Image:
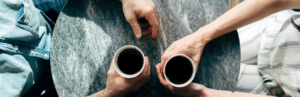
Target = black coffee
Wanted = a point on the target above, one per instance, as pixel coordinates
(179, 70)
(130, 61)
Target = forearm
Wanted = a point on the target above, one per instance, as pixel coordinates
(220, 93)
(99, 94)
(108, 92)
(245, 13)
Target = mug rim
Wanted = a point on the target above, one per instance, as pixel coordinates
(116, 63)
(185, 83)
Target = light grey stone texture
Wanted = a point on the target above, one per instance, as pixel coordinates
(89, 32)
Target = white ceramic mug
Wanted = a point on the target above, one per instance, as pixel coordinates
(188, 81)
(116, 61)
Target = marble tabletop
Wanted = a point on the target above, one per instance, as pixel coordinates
(89, 32)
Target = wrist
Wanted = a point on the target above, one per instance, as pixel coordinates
(105, 92)
(114, 93)
(102, 93)
(216, 93)
(122, 1)
(110, 93)
(205, 34)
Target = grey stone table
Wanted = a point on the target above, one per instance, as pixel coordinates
(89, 32)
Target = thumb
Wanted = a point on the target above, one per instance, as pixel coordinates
(135, 27)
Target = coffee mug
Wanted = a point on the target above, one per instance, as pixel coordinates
(179, 70)
(129, 61)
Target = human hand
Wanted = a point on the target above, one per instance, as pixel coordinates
(143, 10)
(189, 46)
(191, 90)
(118, 86)
(198, 90)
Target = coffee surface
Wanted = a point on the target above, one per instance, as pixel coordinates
(179, 70)
(130, 61)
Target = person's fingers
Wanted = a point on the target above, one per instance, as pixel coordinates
(156, 29)
(148, 31)
(152, 19)
(111, 69)
(163, 60)
(145, 26)
(158, 23)
(145, 81)
(197, 58)
(149, 69)
(156, 15)
(111, 64)
(148, 79)
(160, 76)
(147, 66)
(132, 20)
(143, 22)
(148, 74)
(166, 54)
(144, 73)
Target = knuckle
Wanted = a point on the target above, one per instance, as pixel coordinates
(150, 9)
(175, 43)
(184, 47)
(135, 28)
(197, 60)
(144, 76)
(170, 88)
(164, 56)
(155, 24)
(129, 19)
(109, 73)
(153, 6)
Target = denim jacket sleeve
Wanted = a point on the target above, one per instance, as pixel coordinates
(24, 29)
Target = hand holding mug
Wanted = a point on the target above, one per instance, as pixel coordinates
(189, 46)
(118, 86)
(191, 90)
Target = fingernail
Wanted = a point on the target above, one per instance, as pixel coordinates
(138, 35)
(154, 38)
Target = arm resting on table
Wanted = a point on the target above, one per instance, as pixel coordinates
(243, 14)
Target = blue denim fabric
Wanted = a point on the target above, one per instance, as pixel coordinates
(51, 8)
(25, 38)
(18, 74)
(226, 2)
(29, 34)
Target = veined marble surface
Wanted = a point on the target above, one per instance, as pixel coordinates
(89, 32)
